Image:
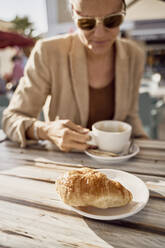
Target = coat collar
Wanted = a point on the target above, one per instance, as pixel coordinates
(79, 73)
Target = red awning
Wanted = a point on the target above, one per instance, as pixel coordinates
(14, 39)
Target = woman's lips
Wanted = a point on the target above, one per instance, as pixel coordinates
(99, 42)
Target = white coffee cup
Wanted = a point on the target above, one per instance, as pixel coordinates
(110, 135)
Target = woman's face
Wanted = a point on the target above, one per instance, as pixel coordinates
(100, 39)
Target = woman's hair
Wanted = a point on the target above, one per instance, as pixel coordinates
(70, 5)
(125, 6)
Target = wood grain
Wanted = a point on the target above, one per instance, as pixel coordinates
(32, 215)
(45, 194)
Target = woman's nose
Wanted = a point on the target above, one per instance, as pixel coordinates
(99, 30)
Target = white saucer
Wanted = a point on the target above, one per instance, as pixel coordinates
(108, 159)
(134, 184)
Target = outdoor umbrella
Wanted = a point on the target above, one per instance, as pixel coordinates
(145, 10)
(14, 39)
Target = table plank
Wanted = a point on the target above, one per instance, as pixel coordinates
(45, 173)
(152, 154)
(30, 156)
(151, 144)
(32, 215)
(26, 225)
(44, 195)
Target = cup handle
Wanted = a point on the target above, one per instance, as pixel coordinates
(92, 141)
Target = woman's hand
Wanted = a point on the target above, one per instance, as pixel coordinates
(65, 134)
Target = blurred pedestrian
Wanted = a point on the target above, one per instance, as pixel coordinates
(18, 70)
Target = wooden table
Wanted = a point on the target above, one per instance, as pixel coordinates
(31, 214)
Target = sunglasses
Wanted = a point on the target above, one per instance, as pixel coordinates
(89, 23)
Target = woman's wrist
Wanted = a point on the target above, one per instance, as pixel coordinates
(36, 131)
(39, 130)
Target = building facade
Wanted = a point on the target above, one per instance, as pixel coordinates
(59, 18)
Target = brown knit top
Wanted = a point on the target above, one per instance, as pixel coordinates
(101, 103)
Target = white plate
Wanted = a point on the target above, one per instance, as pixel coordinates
(134, 184)
(108, 159)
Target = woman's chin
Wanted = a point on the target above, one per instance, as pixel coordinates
(99, 50)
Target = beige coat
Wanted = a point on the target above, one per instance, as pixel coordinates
(57, 67)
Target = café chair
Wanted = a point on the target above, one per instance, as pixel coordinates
(4, 101)
(1, 114)
(150, 112)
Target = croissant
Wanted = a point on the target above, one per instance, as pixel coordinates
(88, 187)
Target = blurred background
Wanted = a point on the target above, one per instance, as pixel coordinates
(23, 22)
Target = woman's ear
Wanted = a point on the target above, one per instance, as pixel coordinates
(72, 8)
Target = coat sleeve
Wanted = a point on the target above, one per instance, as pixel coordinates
(29, 97)
(137, 71)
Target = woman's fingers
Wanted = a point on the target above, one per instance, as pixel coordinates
(68, 136)
(68, 140)
(75, 127)
(78, 137)
(77, 146)
(72, 146)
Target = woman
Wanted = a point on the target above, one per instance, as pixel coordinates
(90, 75)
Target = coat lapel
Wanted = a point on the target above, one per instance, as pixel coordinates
(79, 74)
(121, 81)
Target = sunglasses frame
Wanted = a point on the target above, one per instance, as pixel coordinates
(97, 19)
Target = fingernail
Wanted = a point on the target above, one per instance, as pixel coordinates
(84, 131)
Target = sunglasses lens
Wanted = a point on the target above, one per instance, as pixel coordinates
(86, 24)
(113, 21)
